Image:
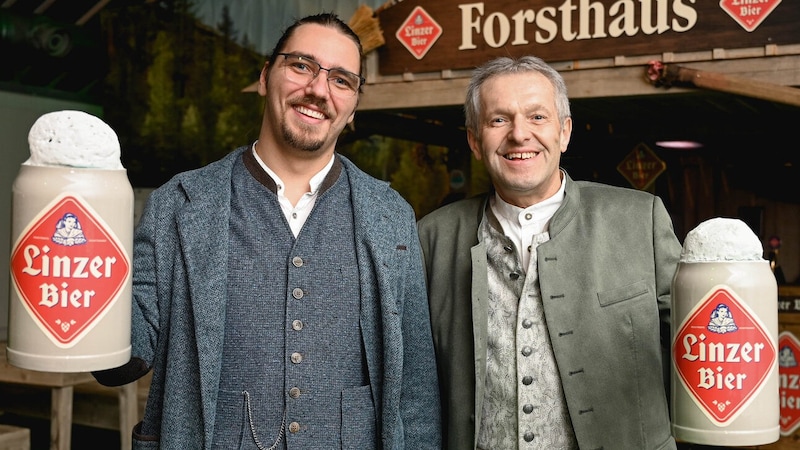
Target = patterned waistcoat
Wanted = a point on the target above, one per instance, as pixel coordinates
(524, 404)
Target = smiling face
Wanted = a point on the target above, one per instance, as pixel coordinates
(304, 119)
(519, 137)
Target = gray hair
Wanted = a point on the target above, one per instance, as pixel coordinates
(505, 65)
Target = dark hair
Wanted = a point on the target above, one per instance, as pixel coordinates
(329, 20)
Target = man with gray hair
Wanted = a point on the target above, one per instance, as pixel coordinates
(549, 297)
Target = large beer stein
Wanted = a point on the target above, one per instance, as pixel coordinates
(724, 339)
(72, 241)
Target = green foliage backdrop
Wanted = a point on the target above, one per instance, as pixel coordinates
(174, 90)
(174, 96)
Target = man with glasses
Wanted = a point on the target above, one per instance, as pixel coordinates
(279, 295)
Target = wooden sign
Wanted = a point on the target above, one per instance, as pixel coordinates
(565, 30)
(641, 167)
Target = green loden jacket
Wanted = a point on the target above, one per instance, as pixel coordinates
(605, 276)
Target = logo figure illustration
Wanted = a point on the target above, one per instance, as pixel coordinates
(722, 320)
(786, 357)
(68, 231)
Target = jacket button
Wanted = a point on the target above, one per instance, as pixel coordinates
(513, 275)
(297, 293)
(297, 325)
(297, 358)
(297, 261)
(294, 392)
(294, 427)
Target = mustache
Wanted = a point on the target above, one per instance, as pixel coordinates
(312, 100)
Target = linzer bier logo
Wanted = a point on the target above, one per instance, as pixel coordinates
(68, 268)
(749, 13)
(789, 369)
(723, 354)
(419, 32)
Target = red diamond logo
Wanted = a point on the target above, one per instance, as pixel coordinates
(68, 268)
(722, 354)
(749, 14)
(789, 369)
(419, 32)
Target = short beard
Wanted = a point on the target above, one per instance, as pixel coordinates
(300, 142)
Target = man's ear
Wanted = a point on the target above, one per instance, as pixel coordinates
(262, 80)
(474, 144)
(566, 133)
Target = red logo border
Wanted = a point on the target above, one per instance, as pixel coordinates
(113, 241)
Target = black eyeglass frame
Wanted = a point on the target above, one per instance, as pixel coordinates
(361, 79)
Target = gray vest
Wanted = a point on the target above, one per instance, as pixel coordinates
(292, 338)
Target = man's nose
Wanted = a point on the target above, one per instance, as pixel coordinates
(319, 84)
(520, 131)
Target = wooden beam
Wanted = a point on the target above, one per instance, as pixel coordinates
(671, 74)
(92, 11)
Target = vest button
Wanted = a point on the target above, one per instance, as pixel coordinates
(297, 358)
(513, 275)
(527, 409)
(528, 436)
(297, 325)
(526, 351)
(297, 293)
(297, 261)
(527, 323)
(294, 392)
(527, 380)
(294, 427)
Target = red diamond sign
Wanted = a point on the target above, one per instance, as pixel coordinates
(419, 32)
(789, 369)
(722, 354)
(641, 167)
(68, 268)
(749, 13)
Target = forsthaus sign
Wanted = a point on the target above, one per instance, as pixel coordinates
(564, 30)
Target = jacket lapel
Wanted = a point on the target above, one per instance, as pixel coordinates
(203, 232)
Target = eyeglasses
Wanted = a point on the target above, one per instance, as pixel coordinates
(302, 70)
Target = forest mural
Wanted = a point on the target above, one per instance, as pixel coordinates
(174, 94)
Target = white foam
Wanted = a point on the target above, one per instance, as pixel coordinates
(721, 239)
(73, 139)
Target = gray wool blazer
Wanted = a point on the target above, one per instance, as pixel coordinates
(179, 286)
(605, 277)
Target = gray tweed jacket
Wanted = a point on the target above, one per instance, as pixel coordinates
(179, 285)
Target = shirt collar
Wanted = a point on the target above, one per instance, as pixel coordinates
(541, 211)
(314, 183)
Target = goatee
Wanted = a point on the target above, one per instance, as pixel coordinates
(301, 142)
(301, 138)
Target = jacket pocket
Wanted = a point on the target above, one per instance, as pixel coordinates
(623, 293)
(359, 428)
(231, 417)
